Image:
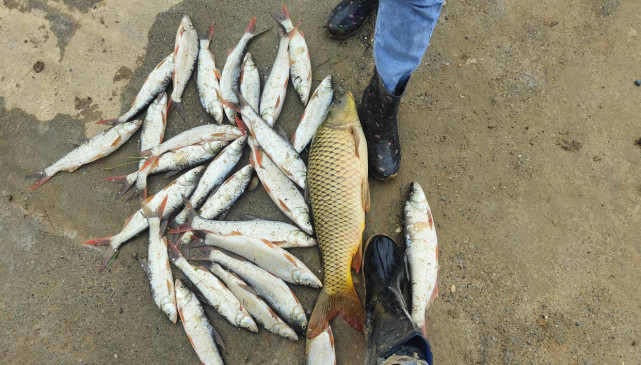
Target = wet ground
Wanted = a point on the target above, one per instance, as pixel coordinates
(521, 124)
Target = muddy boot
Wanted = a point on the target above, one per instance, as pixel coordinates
(392, 337)
(348, 16)
(378, 117)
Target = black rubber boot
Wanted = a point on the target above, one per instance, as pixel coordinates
(378, 117)
(392, 337)
(348, 16)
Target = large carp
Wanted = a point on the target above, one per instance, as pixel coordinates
(339, 195)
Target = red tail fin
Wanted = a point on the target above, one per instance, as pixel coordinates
(328, 306)
(104, 241)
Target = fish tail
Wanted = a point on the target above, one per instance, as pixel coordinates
(251, 28)
(42, 178)
(109, 254)
(157, 213)
(181, 110)
(181, 228)
(347, 304)
(207, 36)
(124, 181)
(281, 18)
(174, 253)
(103, 241)
(205, 253)
(149, 161)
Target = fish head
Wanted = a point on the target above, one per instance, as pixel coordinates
(343, 112)
(128, 127)
(285, 331)
(245, 321)
(238, 145)
(192, 176)
(214, 147)
(298, 314)
(300, 238)
(417, 196)
(182, 293)
(302, 219)
(170, 310)
(185, 23)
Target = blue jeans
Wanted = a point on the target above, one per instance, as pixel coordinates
(402, 33)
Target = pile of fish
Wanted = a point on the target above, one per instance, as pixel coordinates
(248, 268)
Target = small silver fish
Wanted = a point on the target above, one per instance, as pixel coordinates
(280, 189)
(207, 79)
(157, 264)
(155, 83)
(271, 288)
(266, 255)
(185, 55)
(215, 292)
(214, 175)
(314, 114)
(229, 86)
(273, 96)
(175, 191)
(422, 252)
(301, 65)
(94, 149)
(254, 305)
(197, 326)
(320, 349)
(250, 82)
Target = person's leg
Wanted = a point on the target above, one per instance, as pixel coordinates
(402, 33)
(392, 336)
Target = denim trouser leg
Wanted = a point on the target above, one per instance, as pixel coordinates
(402, 33)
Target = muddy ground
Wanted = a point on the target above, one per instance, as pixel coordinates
(521, 124)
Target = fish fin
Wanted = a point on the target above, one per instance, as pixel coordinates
(109, 255)
(240, 124)
(247, 288)
(360, 151)
(233, 106)
(281, 18)
(251, 28)
(173, 252)
(170, 105)
(123, 181)
(347, 304)
(181, 228)
(366, 195)
(171, 173)
(282, 133)
(209, 33)
(103, 241)
(145, 265)
(181, 110)
(357, 259)
(111, 121)
(149, 161)
(42, 178)
(216, 71)
(80, 141)
(217, 338)
(155, 213)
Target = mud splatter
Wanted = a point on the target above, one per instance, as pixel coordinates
(124, 73)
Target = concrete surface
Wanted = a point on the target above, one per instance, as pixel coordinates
(521, 125)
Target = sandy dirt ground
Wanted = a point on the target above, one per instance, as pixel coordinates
(521, 124)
